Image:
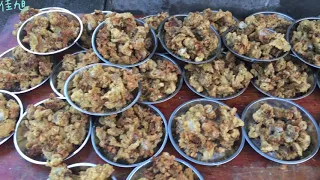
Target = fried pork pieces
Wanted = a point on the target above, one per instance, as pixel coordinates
(206, 133)
(280, 130)
(122, 41)
(192, 39)
(220, 78)
(53, 130)
(221, 20)
(306, 40)
(131, 136)
(103, 89)
(9, 112)
(155, 21)
(25, 14)
(24, 70)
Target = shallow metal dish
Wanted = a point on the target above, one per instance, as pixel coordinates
(137, 172)
(162, 41)
(183, 108)
(21, 33)
(53, 8)
(104, 156)
(20, 143)
(312, 130)
(152, 49)
(280, 15)
(289, 35)
(9, 95)
(136, 92)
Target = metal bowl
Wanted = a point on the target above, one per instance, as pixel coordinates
(289, 35)
(137, 172)
(162, 41)
(136, 92)
(8, 53)
(312, 130)
(104, 156)
(9, 95)
(22, 33)
(53, 8)
(318, 78)
(20, 143)
(179, 83)
(152, 49)
(183, 108)
(280, 15)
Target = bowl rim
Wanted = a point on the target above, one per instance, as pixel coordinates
(180, 80)
(318, 78)
(85, 164)
(153, 36)
(161, 39)
(165, 139)
(314, 152)
(70, 78)
(279, 14)
(181, 152)
(43, 13)
(24, 156)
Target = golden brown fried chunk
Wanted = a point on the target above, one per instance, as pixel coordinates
(26, 13)
(221, 20)
(155, 21)
(9, 112)
(60, 172)
(131, 137)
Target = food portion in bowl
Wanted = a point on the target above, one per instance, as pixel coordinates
(223, 77)
(72, 62)
(221, 20)
(132, 136)
(285, 78)
(23, 70)
(101, 88)
(281, 131)
(306, 40)
(206, 133)
(26, 13)
(121, 40)
(53, 130)
(192, 39)
(9, 113)
(155, 21)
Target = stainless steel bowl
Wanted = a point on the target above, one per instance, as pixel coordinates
(53, 8)
(20, 143)
(8, 95)
(158, 56)
(289, 35)
(8, 53)
(152, 49)
(136, 92)
(312, 130)
(280, 15)
(137, 172)
(22, 33)
(183, 108)
(104, 156)
(162, 41)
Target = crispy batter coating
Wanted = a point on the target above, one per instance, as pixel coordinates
(24, 70)
(284, 78)
(122, 41)
(50, 33)
(280, 130)
(306, 40)
(101, 89)
(221, 78)
(191, 39)
(206, 133)
(131, 136)
(155, 21)
(53, 130)
(221, 20)
(26, 13)
(9, 112)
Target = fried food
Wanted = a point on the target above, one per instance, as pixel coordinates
(132, 136)
(221, 20)
(284, 78)
(71, 63)
(103, 88)
(50, 33)
(221, 78)
(53, 130)
(155, 21)
(207, 133)
(280, 130)
(26, 13)
(192, 39)
(9, 113)
(24, 70)
(306, 40)
(122, 41)
(165, 167)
